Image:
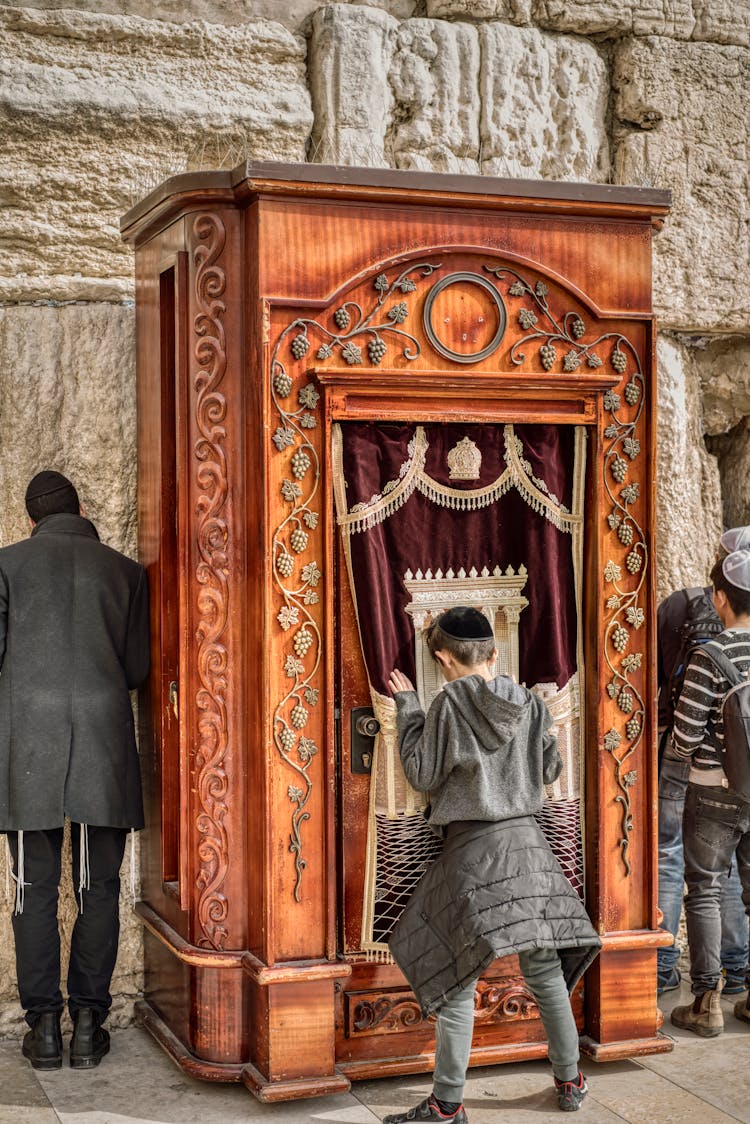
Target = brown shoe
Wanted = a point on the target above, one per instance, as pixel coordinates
(741, 1009)
(703, 1016)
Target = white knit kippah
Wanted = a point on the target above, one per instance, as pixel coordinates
(736, 538)
(736, 568)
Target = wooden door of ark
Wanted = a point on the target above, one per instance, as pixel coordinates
(431, 516)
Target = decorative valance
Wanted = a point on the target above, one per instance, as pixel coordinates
(462, 460)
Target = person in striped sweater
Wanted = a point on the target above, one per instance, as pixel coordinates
(716, 823)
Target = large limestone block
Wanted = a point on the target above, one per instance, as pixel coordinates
(385, 93)
(94, 110)
(722, 21)
(612, 18)
(544, 105)
(435, 82)
(514, 11)
(688, 494)
(67, 401)
(682, 111)
(723, 367)
(444, 96)
(291, 13)
(350, 55)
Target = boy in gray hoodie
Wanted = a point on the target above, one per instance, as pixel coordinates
(484, 752)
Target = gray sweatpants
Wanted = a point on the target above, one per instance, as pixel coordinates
(542, 971)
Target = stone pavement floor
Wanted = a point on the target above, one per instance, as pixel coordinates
(703, 1080)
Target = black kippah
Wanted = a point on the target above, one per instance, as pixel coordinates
(45, 483)
(465, 623)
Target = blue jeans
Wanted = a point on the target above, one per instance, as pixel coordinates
(542, 971)
(716, 827)
(673, 783)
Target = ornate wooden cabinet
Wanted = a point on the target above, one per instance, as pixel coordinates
(321, 351)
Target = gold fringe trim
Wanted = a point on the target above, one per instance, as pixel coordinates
(378, 954)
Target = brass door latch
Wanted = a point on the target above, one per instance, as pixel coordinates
(364, 728)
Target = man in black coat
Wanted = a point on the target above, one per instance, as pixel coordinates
(74, 641)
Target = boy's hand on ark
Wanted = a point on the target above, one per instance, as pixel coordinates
(399, 682)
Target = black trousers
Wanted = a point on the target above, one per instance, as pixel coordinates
(93, 947)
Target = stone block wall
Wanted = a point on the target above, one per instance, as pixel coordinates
(102, 99)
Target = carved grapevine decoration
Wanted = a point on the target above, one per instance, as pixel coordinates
(562, 345)
(356, 336)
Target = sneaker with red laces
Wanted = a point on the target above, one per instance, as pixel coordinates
(427, 1110)
(570, 1094)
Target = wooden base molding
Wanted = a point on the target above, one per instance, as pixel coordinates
(424, 1062)
(271, 1092)
(627, 1048)
(147, 1017)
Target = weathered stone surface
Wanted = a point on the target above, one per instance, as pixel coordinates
(514, 11)
(682, 112)
(733, 453)
(435, 82)
(722, 21)
(544, 105)
(609, 18)
(421, 94)
(94, 110)
(291, 13)
(350, 56)
(723, 367)
(688, 496)
(67, 401)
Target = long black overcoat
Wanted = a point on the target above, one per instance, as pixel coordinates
(74, 640)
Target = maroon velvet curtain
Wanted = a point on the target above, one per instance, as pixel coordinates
(424, 535)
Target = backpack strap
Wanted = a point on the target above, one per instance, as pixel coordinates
(721, 660)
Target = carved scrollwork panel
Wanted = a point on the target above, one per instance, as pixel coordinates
(211, 485)
(499, 999)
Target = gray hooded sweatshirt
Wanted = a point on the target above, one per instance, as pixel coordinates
(483, 752)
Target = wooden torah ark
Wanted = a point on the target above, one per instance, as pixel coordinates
(497, 301)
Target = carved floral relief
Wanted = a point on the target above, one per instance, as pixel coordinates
(564, 343)
(358, 335)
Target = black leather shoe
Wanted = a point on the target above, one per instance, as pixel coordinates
(42, 1045)
(90, 1042)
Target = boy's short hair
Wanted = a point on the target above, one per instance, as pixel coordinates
(739, 599)
(467, 636)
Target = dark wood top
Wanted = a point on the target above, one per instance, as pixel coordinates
(251, 179)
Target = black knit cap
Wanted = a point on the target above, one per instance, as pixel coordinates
(49, 492)
(465, 623)
(46, 482)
